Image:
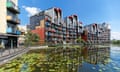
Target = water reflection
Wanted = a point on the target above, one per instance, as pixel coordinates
(96, 55)
(67, 59)
(72, 59)
(95, 58)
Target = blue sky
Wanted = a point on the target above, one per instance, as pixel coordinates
(89, 11)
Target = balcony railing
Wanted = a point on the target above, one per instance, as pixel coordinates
(12, 7)
(55, 21)
(13, 20)
(11, 31)
(18, 32)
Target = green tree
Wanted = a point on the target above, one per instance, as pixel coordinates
(116, 41)
(31, 38)
(80, 40)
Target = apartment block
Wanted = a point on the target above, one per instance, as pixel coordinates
(51, 27)
(97, 33)
(9, 20)
(74, 28)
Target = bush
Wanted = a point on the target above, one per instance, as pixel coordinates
(80, 40)
(116, 41)
(31, 39)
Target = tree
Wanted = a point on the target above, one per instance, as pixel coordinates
(116, 41)
(31, 38)
(80, 40)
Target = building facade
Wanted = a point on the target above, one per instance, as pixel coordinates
(9, 20)
(51, 27)
(23, 32)
(97, 33)
(73, 28)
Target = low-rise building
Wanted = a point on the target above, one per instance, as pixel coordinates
(23, 31)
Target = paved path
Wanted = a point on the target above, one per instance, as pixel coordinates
(38, 47)
(10, 54)
(6, 52)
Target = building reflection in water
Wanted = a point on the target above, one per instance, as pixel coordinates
(94, 59)
(96, 55)
(76, 59)
(67, 59)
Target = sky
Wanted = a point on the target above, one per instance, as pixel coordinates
(88, 11)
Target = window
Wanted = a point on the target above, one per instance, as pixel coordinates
(12, 14)
(11, 28)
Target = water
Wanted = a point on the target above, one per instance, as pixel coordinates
(67, 59)
(102, 60)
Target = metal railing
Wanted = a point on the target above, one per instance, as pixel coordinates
(6, 52)
(12, 5)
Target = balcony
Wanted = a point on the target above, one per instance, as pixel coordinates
(47, 24)
(59, 28)
(12, 7)
(55, 21)
(18, 32)
(48, 19)
(13, 20)
(11, 31)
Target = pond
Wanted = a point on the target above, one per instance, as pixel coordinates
(67, 59)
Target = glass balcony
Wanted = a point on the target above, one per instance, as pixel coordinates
(11, 31)
(13, 20)
(12, 7)
(18, 32)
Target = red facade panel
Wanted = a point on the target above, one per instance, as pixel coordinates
(40, 32)
(84, 37)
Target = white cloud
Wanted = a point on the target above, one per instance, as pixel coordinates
(115, 35)
(31, 10)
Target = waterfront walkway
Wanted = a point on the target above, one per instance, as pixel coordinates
(9, 54)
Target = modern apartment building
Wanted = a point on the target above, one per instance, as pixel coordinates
(73, 28)
(97, 33)
(51, 27)
(9, 20)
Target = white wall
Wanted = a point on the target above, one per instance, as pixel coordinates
(15, 1)
(3, 12)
